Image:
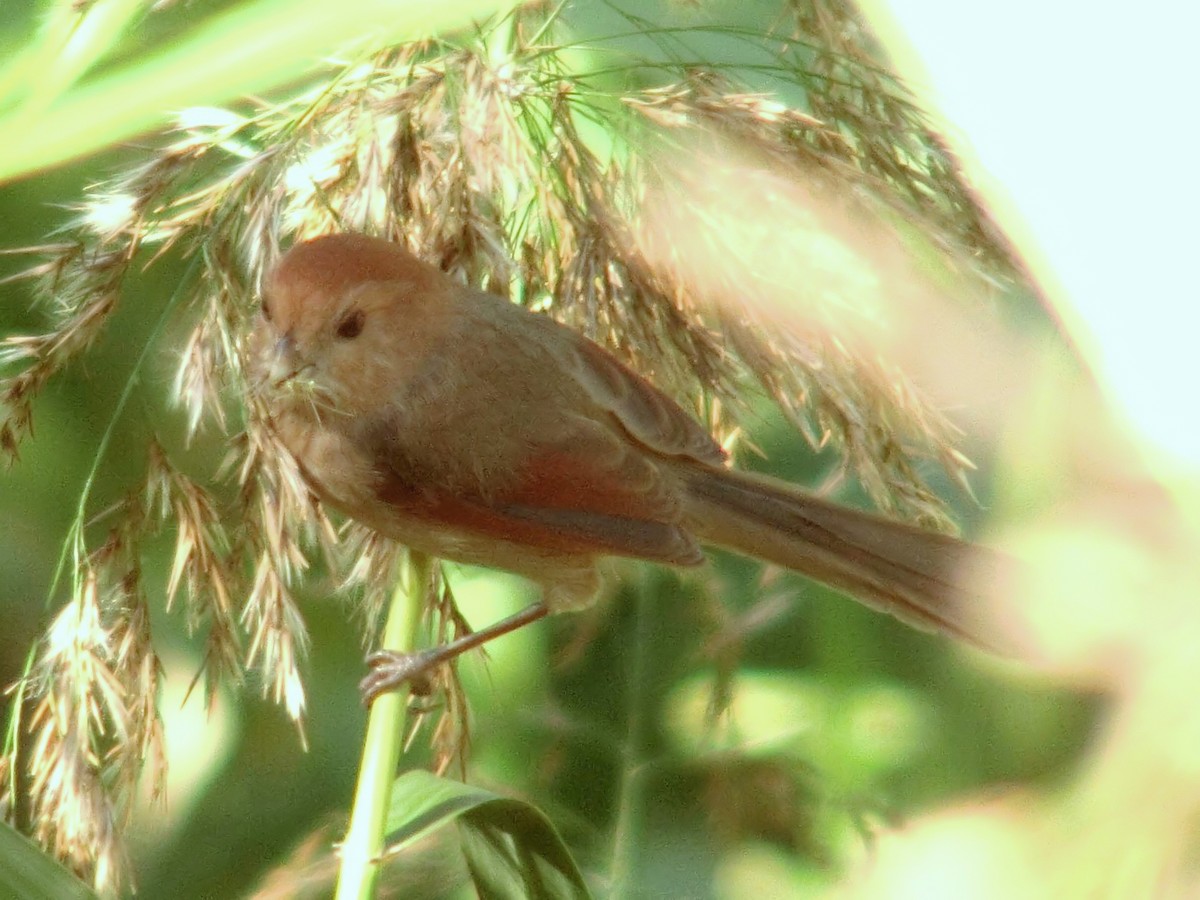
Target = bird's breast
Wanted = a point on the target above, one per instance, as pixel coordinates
(336, 469)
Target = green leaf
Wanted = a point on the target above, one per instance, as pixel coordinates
(512, 850)
(27, 872)
(253, 47)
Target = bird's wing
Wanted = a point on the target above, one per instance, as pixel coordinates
(588, 492)
(644, 412)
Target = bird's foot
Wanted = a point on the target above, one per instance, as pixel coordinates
(391, 670)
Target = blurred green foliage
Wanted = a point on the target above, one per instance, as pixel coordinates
(94, 73)
(845, 718)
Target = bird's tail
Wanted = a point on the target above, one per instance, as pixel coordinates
(926, 579)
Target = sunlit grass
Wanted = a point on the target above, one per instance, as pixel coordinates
(63, 113)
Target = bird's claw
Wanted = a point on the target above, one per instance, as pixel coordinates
(391, 669)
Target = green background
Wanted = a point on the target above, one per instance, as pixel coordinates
(855, 720)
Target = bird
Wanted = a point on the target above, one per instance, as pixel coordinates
(468, 427)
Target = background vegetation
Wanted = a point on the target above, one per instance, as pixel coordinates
(839, 724)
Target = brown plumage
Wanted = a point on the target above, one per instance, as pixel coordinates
(474, 430)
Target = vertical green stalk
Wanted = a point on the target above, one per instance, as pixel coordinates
(627, 833)
(381, 748)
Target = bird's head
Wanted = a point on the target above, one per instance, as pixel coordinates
(342, 321)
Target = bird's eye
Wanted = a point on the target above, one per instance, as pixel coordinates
(266, 311)
(351, 325)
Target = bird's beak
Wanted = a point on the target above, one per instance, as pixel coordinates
(285, 362)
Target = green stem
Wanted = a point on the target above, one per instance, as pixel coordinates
(381, 748)
(626, 834)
